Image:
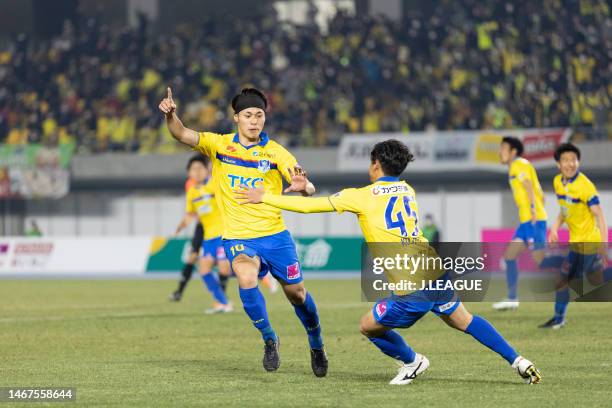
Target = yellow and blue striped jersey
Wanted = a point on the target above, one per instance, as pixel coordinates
(201, 200)
(265, 163)
(388, 216)
(519, 171)
(575, 197)
(387, 210)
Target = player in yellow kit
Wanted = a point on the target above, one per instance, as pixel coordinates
(529, 199)
(196, 244)
(200, 203)
(388, 213)
(206, 244)
(581, 211)
(255, 238)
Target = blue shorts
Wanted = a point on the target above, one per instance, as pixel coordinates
(214, 248)
(277, 253)
(532, 234)
(577, 264)
(404, 311)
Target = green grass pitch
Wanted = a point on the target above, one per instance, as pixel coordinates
(121, 343)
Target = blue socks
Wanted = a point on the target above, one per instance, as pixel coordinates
(307, 313)
(561, 302)
(562, 297)
(394, 345)
(485, 333)
(512, 278)
(211, 282)
(255, 307)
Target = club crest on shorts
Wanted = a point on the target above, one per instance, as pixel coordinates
(293, 271)
(263, 166)
(381, 308)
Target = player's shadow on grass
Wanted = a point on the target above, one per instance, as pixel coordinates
(446, 380)
(230, 367)
(297, 368)
(384, 377)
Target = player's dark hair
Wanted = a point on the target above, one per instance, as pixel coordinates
(392, 155)
(514, 143)
(247, 98)
(198, 158)
(564, 148)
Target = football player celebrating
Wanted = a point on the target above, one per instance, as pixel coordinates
(387, 212)
(255, 238)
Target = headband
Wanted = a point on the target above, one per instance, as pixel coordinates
(245, 101)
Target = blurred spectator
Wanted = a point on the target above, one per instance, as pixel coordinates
(33, 230)
(430, 230)
(468, 64)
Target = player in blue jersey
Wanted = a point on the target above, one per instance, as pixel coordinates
(388, 213)
(255, 238)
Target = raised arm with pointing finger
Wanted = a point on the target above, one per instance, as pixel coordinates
(175, 126)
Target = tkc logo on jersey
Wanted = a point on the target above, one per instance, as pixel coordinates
(251, 182)
(263, 166)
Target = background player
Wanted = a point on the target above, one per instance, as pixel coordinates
(529, 199)
(581, 211)
(196, 244)
(384, 217)
(201, 203)
(255, 237)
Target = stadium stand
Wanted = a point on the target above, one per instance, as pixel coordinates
(467, 65)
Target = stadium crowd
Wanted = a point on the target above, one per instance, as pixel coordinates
(469, 65)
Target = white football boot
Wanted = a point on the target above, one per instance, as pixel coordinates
(409, 372)
(220, 308)
(527, 370)
(506, 304)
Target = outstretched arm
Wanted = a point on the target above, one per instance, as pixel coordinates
(175, 126)
(291, 203)
(299, 204)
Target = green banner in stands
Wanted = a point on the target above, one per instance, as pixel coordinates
(316, 254)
